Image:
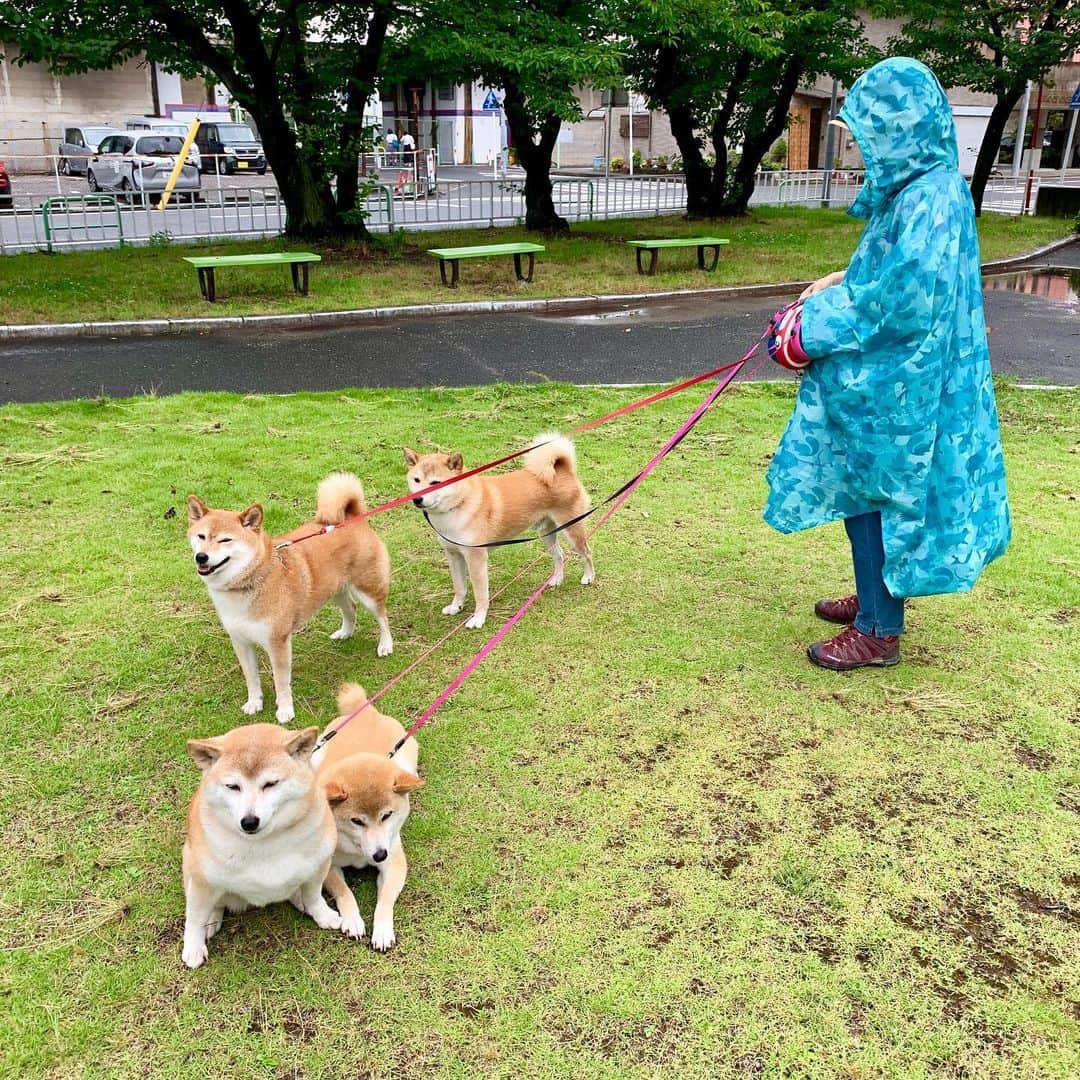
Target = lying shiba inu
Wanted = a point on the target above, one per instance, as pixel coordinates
(258, 831)
(543, 494)
(264, 593)
(368, 794)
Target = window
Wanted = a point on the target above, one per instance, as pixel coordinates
(159, 145)
(72, 136)
(446, 93)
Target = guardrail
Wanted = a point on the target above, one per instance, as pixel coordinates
(106, 217)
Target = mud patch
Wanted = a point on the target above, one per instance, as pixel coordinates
(1030, 758)
(1031, 901)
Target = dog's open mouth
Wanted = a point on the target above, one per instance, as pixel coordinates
(206, 570)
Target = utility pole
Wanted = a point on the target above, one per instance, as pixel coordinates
(830, 148)
(1036, 151)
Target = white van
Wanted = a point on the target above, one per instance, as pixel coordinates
(162, 125)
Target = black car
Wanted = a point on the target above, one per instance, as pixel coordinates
(228, 148)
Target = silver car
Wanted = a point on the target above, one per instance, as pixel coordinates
(79, 144)
(132, 162)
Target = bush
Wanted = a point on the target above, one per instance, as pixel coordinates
(637, 159)
(1076, 223)
(618, 164)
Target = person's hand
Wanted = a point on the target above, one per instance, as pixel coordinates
(826, 282)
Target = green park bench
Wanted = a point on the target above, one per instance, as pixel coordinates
(298, 263)
(483, 251)
(700, 242)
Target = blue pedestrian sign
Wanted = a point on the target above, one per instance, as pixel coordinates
(1075, 103)
(491, 102)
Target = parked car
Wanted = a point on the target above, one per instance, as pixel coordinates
(166, 127)
(130, 162)
(228, 147)
(78, 144)
(6, 201)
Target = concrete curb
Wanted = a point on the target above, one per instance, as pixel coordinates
(365, 316)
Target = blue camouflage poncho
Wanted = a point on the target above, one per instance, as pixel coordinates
(897, 411)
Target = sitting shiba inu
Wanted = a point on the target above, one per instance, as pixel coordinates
(265, 590)
(543, 494)
(368, 794)
(258, 831)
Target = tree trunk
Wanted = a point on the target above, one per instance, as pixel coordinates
(991, 142)
(704, 183)
(534, 152)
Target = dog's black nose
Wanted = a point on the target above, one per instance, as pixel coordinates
(250, 823)
(379, 854)
(202, 558)
(418, 502)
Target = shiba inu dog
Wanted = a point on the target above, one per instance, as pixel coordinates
(543, 494)
(264, 592)
(368, 794)
(259, 830)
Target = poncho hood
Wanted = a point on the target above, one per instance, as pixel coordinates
(903, 124)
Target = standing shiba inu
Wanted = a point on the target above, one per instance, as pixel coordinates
(543, 494)
(258, 831)
(368, 794)
(264, 592)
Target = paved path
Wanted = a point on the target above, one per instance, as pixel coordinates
(1033, 338)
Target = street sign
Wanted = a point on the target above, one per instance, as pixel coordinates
(1075, 103)
(491, 102)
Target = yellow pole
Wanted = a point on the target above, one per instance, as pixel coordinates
(181, 160)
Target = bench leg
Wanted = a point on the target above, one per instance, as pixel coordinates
(206, 283)
(517, 267)
(452, 283)
(299, 277)
(701, 257)
(653, 255)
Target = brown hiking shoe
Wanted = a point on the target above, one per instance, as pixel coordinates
(853, 649)
(842, 611)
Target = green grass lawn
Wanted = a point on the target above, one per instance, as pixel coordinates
(654, 840)
(768, 245)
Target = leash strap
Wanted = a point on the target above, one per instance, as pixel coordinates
(618, 499)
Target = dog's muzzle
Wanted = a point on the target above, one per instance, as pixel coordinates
(418, 502)
(202, 561)
(250, 823)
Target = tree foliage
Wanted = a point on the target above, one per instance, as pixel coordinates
(302, 70)
(725, 72)
(994, 47)
(538, 52)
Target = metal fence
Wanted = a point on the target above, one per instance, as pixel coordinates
(60, 216)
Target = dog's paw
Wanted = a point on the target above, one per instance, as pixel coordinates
(476, 620)
(385, 646)
(452, 609)
(285, 713)
(383, 936)
(194, 955)
(555, 580)
(587, 577)
(213, 927)
(341, 634)
(353, 926)
(252, 706)
(326, 917)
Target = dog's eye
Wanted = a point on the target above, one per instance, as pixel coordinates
(269, 784)
(358, 821)
(387, 815)
(233, 787)
(202, 536)
(416, 479)
(225, 540)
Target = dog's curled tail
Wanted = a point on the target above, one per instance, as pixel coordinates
(340, 496)
(550, 455)
(350, 697)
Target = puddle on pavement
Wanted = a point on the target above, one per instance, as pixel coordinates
(606, 316)
(1057, 286)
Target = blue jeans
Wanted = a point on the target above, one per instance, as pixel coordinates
(880, 613)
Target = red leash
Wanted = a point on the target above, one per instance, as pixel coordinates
(401, 500)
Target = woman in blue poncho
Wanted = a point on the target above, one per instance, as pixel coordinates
(895, 428)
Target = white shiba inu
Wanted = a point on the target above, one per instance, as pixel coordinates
(543, 494)
(264, 592)
(259, 830)
(369, 797)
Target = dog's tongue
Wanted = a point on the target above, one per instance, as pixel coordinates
(204, 570)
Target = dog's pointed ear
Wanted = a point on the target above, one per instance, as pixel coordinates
(204, 752)
(251, 518)
(335, 792)
(411, 456)
(455, 462)
(196, 508)
(303, 742)
(405, 782)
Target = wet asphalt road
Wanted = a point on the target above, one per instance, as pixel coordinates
(1033, 338)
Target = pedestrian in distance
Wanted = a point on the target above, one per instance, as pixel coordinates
(408, 148)
(392, 146)
(895, 428)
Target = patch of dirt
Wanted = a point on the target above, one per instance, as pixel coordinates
(1030, 758)
(1030, 900)
(702, 989)
(822, 946)
(469, 1009)
(296, 1022)
(735, 832)
(644, 760)
(1065, 615)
